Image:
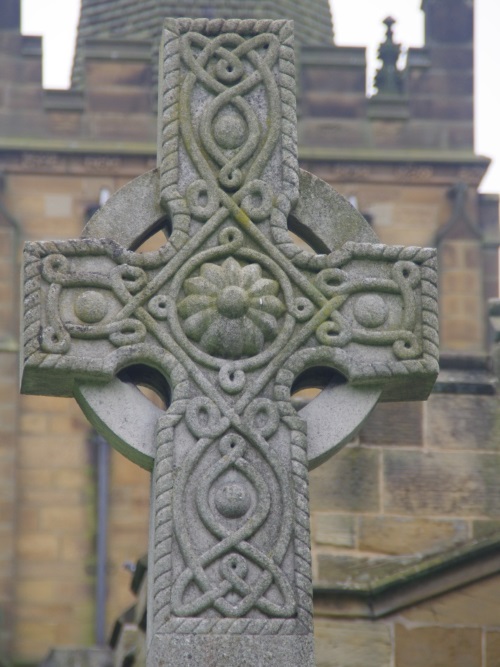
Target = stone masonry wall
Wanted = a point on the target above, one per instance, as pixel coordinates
(54, 528)
(420, 477)
(394, 491)
(8, 424)
(47, 471)
(54, 516)
(459, 629)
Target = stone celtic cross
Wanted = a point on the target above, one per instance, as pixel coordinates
(227, 318)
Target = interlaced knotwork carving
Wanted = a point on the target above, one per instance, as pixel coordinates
(230, 312)
(233, 549)
(338, 310)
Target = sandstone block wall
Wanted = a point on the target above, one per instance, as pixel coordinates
(420, 478)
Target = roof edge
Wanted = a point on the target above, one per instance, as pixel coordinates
(410, 582)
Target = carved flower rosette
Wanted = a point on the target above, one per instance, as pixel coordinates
(231, 311)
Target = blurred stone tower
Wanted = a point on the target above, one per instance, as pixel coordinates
(406, 520)
(126, 19)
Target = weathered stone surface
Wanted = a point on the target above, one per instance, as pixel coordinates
(334, 568)
(441, 31)
(399, 535)
(492, 648)
(349, 482)
(394, 424)
(462, 291)
(338, 530)
(453, 424)
(341, 644)
(436, 647)
(224, 321)
(435, 483)
(474, 605)
(485, 528)
(222, 649)
(350, 586)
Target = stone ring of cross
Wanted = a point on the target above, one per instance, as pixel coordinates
(323, 218)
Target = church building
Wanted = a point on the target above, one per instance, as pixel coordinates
(406, 518)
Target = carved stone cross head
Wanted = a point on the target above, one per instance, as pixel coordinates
(226, 319)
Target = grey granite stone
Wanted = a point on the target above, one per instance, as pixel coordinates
(225, 320)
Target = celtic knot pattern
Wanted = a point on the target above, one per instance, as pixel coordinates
(242, 146)
(230, 312)
(228, 127)
(92, 309)
(232, 489)
(371, 312)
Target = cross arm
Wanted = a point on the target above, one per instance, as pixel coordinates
(80, 318)
(86, 367)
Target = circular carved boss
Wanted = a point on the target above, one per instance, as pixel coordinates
(322, 216)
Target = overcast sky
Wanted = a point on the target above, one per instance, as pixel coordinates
(357, 22)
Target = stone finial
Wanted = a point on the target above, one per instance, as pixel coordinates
(389, 79)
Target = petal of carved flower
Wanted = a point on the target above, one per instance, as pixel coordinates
(249, 275)
(253, 338)
(210, 339)
(196, 325)
(269, 304)
(193, 303)
(232, 272)
(214, 274)
(201, 286)
(264, 286)
(223, 338)
(266, 323)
